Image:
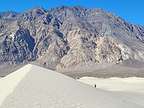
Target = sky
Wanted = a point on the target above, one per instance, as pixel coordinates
(130, 10)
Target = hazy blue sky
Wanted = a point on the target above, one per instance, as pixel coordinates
(131, 10)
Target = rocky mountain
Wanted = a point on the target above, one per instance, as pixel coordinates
(65, 37)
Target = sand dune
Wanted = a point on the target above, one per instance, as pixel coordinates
(131, 84)
(131, 88)
(36, 87)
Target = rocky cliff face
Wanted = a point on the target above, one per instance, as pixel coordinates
(68, 36)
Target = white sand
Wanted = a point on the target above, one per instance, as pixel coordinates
(131, 89)
(131, 84)
(8, 84)
(36, 87)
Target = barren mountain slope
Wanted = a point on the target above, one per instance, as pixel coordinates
(66, 37)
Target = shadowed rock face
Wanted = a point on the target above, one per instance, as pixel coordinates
(18, 48)
(68, 36)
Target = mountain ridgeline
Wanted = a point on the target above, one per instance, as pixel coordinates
(65, 37)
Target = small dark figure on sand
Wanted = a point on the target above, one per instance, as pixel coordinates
(95, 85)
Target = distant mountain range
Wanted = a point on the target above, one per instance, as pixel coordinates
(66, 37)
